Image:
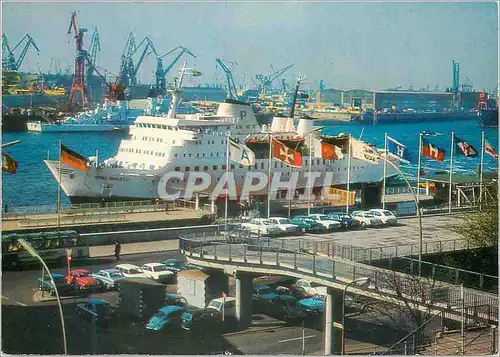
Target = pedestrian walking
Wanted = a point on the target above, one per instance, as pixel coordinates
(118, 248)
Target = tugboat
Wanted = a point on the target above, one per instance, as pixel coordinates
(487, 111)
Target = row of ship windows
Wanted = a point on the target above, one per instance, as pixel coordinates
(139, 151)
(157, 126)
(232, 166)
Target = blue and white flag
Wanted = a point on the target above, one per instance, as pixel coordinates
(240, 153)
(398, 150)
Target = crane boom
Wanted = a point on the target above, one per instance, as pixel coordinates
(231, 87)
(28, 41)
(161, 73)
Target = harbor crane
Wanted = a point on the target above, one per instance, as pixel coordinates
(94, 48)
(129, 70)
(267, 81)
(9, 61)
(231, 87)
(78, 85)
(161, 73)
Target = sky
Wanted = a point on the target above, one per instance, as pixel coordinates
(369, 45)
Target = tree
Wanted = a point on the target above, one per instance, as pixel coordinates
(480, 229)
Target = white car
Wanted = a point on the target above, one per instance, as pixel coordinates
(131, 271)
(284, 225)
(367, 219)
(318, 290)
(228, 304)
(386, 216)
(325, 221)
(262, 226)
(157, 271)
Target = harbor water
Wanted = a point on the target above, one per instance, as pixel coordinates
(33, 184)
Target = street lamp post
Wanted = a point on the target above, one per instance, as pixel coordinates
(360, 282)
(33, 253)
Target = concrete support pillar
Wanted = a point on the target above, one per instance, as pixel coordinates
(333, 315)
(244, 289)
(197, 201)
(212, 206)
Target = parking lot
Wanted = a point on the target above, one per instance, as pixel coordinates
(34, 327)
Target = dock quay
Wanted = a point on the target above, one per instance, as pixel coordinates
(102, 217)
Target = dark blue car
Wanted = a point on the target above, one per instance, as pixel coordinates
(346, 221)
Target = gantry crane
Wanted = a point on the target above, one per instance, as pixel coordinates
(266, 81)
(9, 61)
(148, 46)
(80, 59)
(231, 87)
(161, 73)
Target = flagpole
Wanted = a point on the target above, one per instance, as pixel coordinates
(385, 170)
(290, 193)
(451, 171)
(481, 172)
(59, 188)
(97, 158)
(269, 177)
(227, 185)
(418, 167)
(348, 174)
(309, 189)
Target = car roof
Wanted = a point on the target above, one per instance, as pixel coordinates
(171, 308)
(127, 266)
(56, 276)
(98, 302)
(110, 270)
(80, 271)
(153, 264)
(173, 296)
(278, 218)
(227, 299)
(261, 286)
(300, 216)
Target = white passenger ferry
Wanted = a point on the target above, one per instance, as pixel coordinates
(157, 145)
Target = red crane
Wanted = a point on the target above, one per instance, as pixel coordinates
(81, 55)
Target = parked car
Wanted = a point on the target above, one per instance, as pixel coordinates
(177, 265)
(285, 308)
(263, 292)
(83, 279)
(228, 304)
(311, 306)
(367, 219)
(284, 225)
(299, 292)
(202, 321)
(310, 288)
(96, 310)
(386, 216)
(131, 271)
(326, 221)
(307, 224)
(262, 226)
(109, 278)
(168, 316)
(63, 288)
(157, 271)
(346, 221)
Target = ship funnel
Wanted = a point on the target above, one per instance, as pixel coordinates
(305, 126)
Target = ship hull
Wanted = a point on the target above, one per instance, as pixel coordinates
(73, 128)
(332, 116)
(488, 118)
(99, 184)
(402, 118)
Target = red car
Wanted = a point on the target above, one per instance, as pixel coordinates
(83, 279)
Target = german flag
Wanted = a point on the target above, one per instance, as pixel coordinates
(9, 164)
(73, 159)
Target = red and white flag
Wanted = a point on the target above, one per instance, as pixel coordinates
(488, 148)
(286, 155)
(326, 151)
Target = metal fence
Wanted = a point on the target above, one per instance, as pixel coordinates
(452, 275)
(435, 295)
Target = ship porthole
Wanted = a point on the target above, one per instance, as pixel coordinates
(72, 176)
